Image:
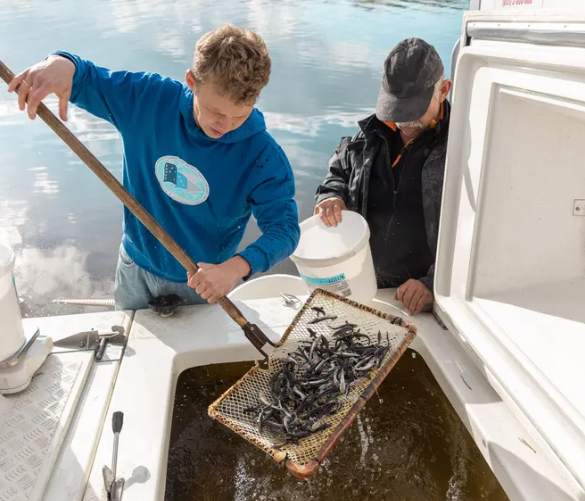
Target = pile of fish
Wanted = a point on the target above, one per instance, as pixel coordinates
(316, 378)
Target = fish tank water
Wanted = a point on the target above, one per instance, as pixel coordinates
(407, 444)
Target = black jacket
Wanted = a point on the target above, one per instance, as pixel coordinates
(355, 158)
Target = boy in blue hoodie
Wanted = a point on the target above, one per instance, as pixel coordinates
(197, 157)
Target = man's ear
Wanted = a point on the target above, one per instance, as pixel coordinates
(445, 88)
(190, 79)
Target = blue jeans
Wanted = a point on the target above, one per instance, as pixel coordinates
(135, 287)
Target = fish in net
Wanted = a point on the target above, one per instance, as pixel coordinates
(327, 365)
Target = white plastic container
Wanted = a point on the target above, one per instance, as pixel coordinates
(337, 259)
(11, 331)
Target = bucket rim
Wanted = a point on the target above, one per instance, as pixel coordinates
(7, 263)
(332, 261)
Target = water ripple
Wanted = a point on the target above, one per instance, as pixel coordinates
(327, 57)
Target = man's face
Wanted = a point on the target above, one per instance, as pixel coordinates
(216, 114)
(413, 129)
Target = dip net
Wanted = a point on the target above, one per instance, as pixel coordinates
(328, 364)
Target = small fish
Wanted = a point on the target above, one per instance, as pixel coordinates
(286, 423)
(304, 354)
(321, 427)
(319, 411)
(273, 425)
(299, 392)
(346, 325)
(319, 382)
(326, 392)
(303, 404)
(264, 415)
(263, 399)
(313, 349)
(318, 310)
(316, 377)
(365, 337)
(280, 445)
(300, 434)
(321, 364)
(322, 319)
(343, 333)
(367, 366)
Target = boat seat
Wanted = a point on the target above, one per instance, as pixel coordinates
(269, 286)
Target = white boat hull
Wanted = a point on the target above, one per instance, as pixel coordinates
(159, 349)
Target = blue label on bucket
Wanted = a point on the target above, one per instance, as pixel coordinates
(324, 281)
(337, 284)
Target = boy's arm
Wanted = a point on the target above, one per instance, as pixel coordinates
(275, 211)
(115, 96)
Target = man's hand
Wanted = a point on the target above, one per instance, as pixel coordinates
(329, 211)
(54, 75)
(414, 295)
(214, 281)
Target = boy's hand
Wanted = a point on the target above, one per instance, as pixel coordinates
(54, 75)
(214, 281)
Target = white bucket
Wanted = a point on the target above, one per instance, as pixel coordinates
(337, 259)
(11, 331)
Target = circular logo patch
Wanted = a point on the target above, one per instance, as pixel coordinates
(181, 181)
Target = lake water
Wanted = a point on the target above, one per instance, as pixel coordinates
(327, 57)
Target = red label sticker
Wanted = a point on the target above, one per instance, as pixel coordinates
(516, 3)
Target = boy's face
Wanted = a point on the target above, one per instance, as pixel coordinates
(216, 114)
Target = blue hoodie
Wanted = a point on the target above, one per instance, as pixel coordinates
(201, 190)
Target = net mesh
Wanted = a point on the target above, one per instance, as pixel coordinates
(230, 408)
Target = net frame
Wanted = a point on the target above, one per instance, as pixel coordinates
(303, 460)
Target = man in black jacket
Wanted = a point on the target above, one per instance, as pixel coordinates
(391, 172)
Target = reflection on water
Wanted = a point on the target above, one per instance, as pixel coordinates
(327, 57)
(410, 4)
(406, 445)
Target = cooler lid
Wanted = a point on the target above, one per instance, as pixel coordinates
(510, 273)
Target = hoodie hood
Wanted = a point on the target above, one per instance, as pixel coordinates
(253, 125)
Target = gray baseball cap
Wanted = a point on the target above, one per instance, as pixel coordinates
(411, 71)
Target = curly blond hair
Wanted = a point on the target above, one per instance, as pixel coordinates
(235, 59)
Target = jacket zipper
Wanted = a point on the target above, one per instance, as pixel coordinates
(404, 154)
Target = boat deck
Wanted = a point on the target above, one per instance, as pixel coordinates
(159, 349)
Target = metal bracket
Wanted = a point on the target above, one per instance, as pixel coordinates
(114, 487)
(30, 337)
(92, 340)
(290, 300)
(258, 339)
